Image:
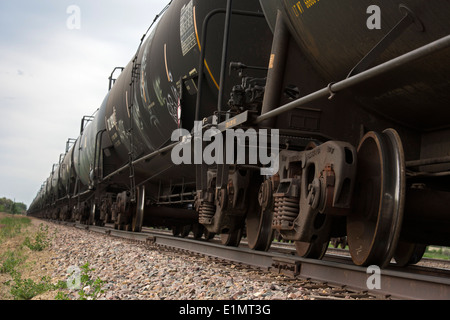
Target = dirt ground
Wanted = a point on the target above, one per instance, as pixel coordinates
(35, 265)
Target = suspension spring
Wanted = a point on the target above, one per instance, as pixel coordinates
(286, 211)
(206, 212)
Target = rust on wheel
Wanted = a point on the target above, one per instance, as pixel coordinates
(315, 249)
(408, 253)
(312, 250)
(373, 228)
(138, 210)
(259, 219)
(231, 239)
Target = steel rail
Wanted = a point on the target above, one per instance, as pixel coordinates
(396, 284)
(413, 283)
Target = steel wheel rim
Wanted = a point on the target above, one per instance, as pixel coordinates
(138, 216)
(231, 239)
(408, 253)
(374, 226)
(259, 220)
(312, 250)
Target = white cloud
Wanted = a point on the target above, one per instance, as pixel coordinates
(50, 76)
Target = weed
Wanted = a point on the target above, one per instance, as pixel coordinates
(12, 226)
(41, 239)
(90, 289)
(11, 259)
(26, 289)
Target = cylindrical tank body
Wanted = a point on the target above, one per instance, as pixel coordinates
(86, 151)
(66, 172)
(41, 197)
(76, 157)
(165, 77)
(55, 181)
(48, 188)
(37, 202)
(336, 35)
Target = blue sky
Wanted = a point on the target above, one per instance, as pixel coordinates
(51, 76)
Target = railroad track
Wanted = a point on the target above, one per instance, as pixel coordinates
(415, 282)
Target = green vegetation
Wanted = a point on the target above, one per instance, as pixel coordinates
(435, 252)
(12, 226)
(87, 282)
(41, 239)
(12, 207)
(13, 262)
(26, 289)
(11, 259)
(432, 252)
(89, 289)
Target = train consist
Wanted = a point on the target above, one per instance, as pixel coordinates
(352, 98)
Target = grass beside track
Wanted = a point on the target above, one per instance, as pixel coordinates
(26, 263)
(23, 249)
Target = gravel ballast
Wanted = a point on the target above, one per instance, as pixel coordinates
(140, 271)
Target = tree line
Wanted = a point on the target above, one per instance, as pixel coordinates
(10, 206)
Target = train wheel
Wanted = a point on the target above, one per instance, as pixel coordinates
(231, 239)
(185, 230)
(408, 253)
(176, 231)
(94, 216)
(138, 211)
(122, 222)
(313, 250)
(209, 235)
(91, 218)
(259, 219)
(197, 230)
(373, 228)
